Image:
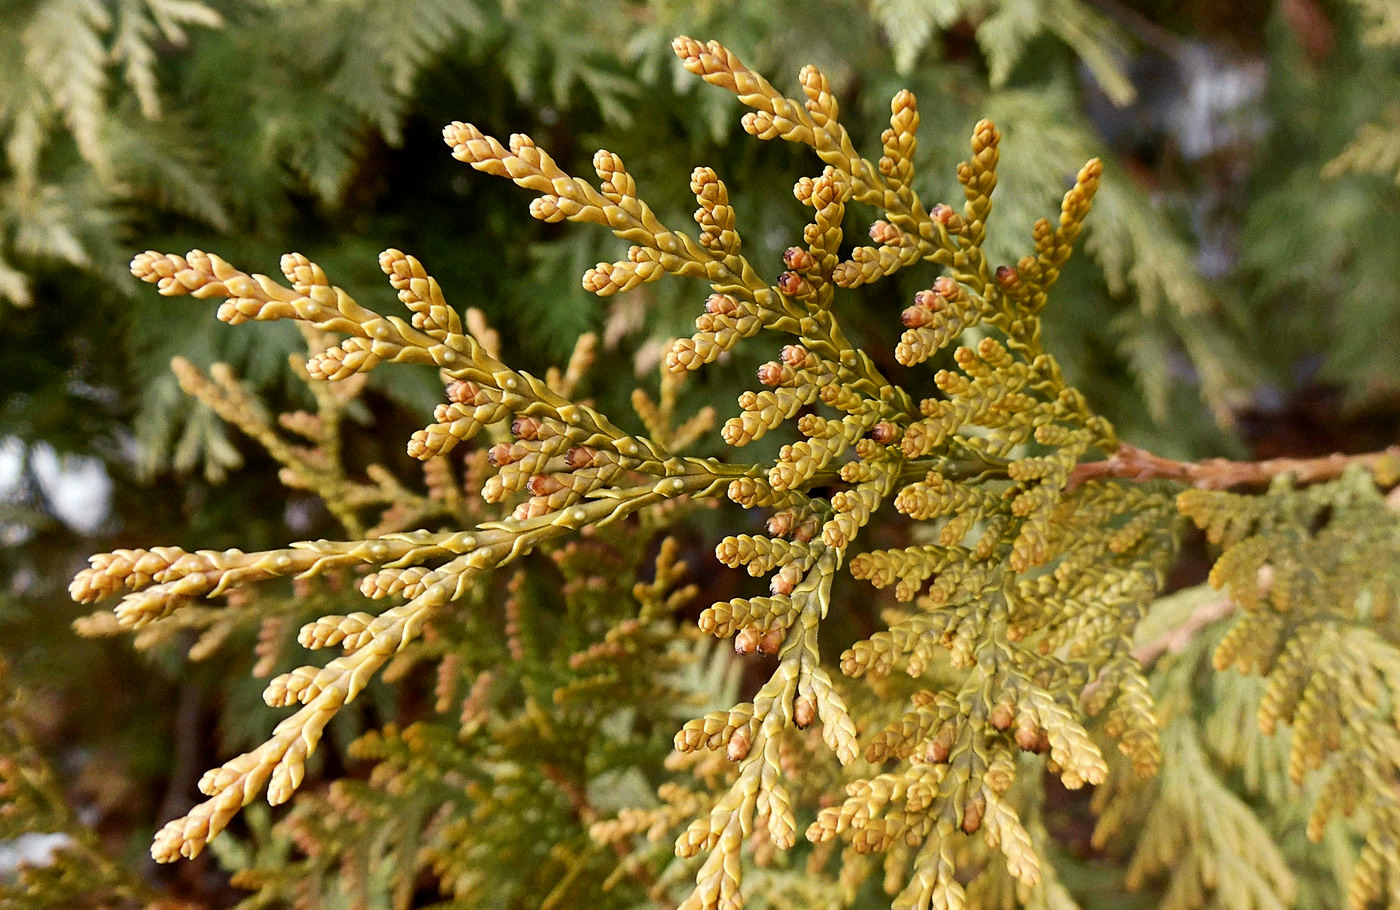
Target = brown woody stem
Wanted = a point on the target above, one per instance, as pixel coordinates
(1131, 463)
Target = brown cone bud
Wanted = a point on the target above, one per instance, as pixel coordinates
(941, 746)
(543, 485)
(780, 524)
(794, 257)
(772, 640)
(1001, 716)
(884, 432)
(916, 317)
(885, 233)
(793, 284)
(947, 287)
(928, 300)
(1026, 738)
(794, 355)
(785, 580)
(746, 640)
(770, 373)
(972, 816)
(804, 711)
(462, 392)
(580, 457)
(526, 427)
(738, 746)
(721, 305)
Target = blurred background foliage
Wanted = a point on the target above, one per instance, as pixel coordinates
(1240, 294)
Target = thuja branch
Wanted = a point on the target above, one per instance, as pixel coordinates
(1129, 462)
(1027, 578)
(957, 459)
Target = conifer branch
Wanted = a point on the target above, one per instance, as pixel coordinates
(1024, 589)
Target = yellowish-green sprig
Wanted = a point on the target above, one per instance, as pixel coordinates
(1028, 602)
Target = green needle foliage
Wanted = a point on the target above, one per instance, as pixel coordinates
(578, 719)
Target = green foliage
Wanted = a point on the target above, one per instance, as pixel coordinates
(1310, 296)
(1376, 148)
(79, 873)
(1004, 32)
(57, 107)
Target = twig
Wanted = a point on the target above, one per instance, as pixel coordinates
(1176, 640)
(1132, 463)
